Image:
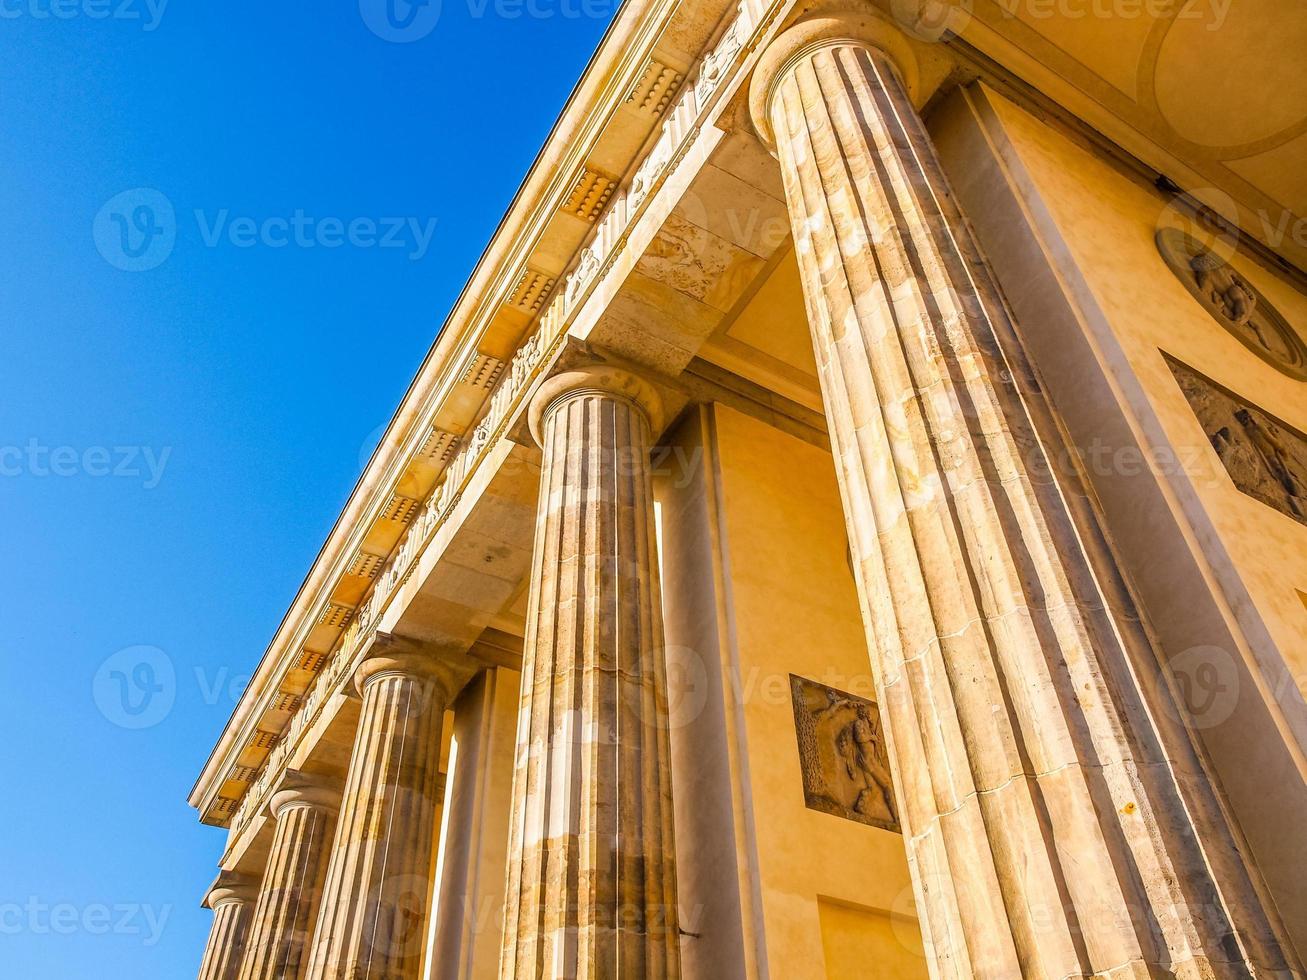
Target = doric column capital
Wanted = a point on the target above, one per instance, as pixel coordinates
(306, 791)
(604, 379)
(231, 888)
(392, 655)
(859, 28)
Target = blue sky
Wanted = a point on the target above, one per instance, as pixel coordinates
(176, 441)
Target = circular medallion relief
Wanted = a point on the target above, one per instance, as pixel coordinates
(1234, 302)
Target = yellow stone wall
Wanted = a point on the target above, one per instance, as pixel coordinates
(833, 897)
(1109, 223)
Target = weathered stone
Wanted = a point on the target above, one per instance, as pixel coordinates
(378, 887)
(591, 881)
(232, 900)
(278, 944)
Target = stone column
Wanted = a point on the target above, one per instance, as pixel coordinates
(232, 900)
(1057, 824)
(375, 900)
(474, 850)
(278, 944)
(591, 879)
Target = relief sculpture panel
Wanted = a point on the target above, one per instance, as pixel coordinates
(1234, 302)
(843, 756)
(1265, 456)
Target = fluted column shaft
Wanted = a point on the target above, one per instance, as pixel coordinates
(592, 890)
(377, 893)
(233, 907)
(1055, 827)
(278, 944)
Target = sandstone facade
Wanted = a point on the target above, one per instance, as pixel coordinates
(853, 525)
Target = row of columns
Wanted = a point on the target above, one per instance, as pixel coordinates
(1056, 825)
(348, 879)
(591, 881)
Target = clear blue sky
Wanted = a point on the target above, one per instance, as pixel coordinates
(175, 443)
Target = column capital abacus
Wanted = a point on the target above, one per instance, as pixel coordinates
(298, 789)
(391, 654)
(860, 28)
(611, 381)
(231, 888)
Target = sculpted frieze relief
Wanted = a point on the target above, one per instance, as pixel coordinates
(1234, 302)
(843, 755)
(1265, 456)
(717, 63)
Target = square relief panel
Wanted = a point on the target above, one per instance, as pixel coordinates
(842, 753)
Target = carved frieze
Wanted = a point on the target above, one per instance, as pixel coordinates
(582, 274)
(1234, 302)
(718, 61)
(843, 755)
(1265, 457)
